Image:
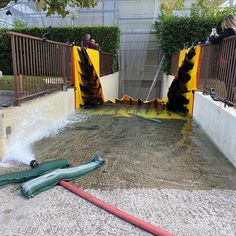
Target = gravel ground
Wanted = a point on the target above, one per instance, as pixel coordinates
(60, 212)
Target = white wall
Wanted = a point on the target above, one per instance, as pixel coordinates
(110, 85)
(166, 82)
(218, 122)
(34, 115)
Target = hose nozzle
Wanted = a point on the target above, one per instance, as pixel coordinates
(34, 163)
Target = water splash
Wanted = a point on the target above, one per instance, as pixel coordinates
(2, 164)
(32, 129)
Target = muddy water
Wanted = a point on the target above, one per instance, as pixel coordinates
(140, 153)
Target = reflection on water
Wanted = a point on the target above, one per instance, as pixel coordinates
(139, 153)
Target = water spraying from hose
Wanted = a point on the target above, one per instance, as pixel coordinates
(35, 127)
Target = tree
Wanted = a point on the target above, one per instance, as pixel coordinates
(60, 6)
(199, 7)
(19, 24)
(4, 3)
(167, 6)
(205, 7)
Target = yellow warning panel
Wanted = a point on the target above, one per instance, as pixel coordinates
(88, 90)
(192, 84)
(94, 56)
(182, 55)
(128, 106)
(131, 111)
(77, 77)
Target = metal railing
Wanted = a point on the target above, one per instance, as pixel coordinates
(218, 69)
(39, 66)
(174, 63)
(209, 65)
(105, 63)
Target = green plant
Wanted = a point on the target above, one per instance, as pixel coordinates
(167, 6)
(205, 7)
(7, 83)
(53, 7)
(174, 33)
(19, 24)
(107, 37)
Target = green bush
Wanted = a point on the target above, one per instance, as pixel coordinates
(107, 37)
(7, 83)
(19, 24)
(174, 32)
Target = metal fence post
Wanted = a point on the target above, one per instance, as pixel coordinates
(13, 46)
(63, 55)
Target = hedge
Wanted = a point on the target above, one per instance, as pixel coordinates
(107, 37)
(7, 83)
(174, 32)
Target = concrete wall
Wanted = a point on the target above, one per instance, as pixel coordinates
(218, 122)
(110, 85)
(34, 115)
(166, 82)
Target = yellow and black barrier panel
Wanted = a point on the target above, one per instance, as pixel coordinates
(181, 91)
(88, 89)
(192, 84)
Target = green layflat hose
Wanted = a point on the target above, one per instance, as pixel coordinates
(22, 176)
(149, 119)
(78, 128)
(47, 181)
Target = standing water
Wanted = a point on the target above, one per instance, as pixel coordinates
(138, 153)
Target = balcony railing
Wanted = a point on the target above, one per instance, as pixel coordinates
(174, 63)
(217, 68)
(42, 67)
(39, 66)
(105, 63)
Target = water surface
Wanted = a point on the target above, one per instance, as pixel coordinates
(141, 154)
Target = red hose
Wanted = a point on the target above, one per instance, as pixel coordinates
(131, 219)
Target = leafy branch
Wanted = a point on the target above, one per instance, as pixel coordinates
(56, 7)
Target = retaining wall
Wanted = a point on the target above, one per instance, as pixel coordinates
(34, 115)
(219, 123)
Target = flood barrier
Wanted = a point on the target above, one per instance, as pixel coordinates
(47, 181)
(22, 176)
(180, 95)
